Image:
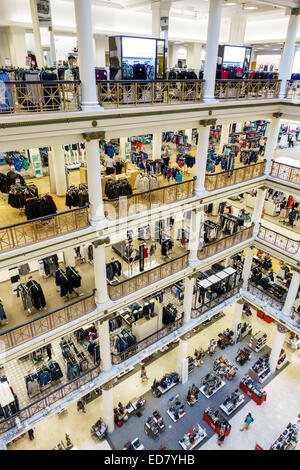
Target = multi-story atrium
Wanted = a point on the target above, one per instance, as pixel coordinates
(150, 229)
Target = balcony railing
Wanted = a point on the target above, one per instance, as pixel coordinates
(48, 322)
(197, 312)
(247, 89)
(48, 400)
(39, 97)
(265, 297)
(285, 172)
(293, 89)
(145, 343)
(140, 202)
(36, 230)
(130, 93)
(238, 175)
(226, 242)
(140, 281)
(276, 239)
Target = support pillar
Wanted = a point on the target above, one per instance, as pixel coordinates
(288, 54)
(212, 44)
(188, 298)
(193, 59)
(84, 28)
(182, 357)
(104, 342)
(37, 35)
(247, 267)
(237, 28)
(156, 146)
(224, 135)
(51, 172)
(201, 158)
(189, 134)
(160, 23)
(100, 271)
(259, 205)
(100, 50)
(197, 219)
(238, 311)
(17, 46)
(277, 346)
(59, 170)
(94, 181)
(52, 47)
(69, 257)
(291, 294)
(123, 142)
(108, 406)
(272, 141)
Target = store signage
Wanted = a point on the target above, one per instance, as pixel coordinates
(7, 61)
(44, 13)
(127, 150)
(164, 23)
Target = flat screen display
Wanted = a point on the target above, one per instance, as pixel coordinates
(234, 56)
(138, 47)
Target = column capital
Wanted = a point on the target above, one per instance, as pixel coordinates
(101, 241)
(240, 301)
(277, 115)
(207, 122)
(108, 385)
(263, 188)
(281, 328)
(185, 337)
(296, 268)
(88, 136)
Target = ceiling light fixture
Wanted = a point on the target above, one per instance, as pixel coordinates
(249, 7)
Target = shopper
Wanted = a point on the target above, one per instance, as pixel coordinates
(144, 377)
(31, 434)
(247, 422)
(221, 435)
(110, 164)
(80, 406)
(49, 352)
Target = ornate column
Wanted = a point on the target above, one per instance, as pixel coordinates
(104, 343)
(288, 54)
(189, 283)
(212, 44)
(224, 135)
(100, 270)
(59, 170)
(182, 359)
(196, 229)
(259, 205)
(123, 141)
(201, 158)
(238, 311)
(277, 346)
(37, 35)
(156, 145)
(247, 267)
(292, 293)
(272, 141)
(100, 50)
(108, 405)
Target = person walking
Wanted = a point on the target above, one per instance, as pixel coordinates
(248, 420)
(80, 406)
(31, 434)
(221, 435)
(144, 377)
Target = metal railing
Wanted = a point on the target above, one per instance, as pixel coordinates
(285, 172)
(140, 93)
(39, 97)
(293, 89)
(197, 312)
(247, 89)
(140, 281)
(43, 228)
(265, 296)
(48, 400)
(238, 175)
(145, 343)
(48, 322)
(276, 239)
(140, 202)
(226, 242)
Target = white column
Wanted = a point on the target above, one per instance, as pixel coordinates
(189, 134)
(237, 28)
(224, 135)
(247, 267)
(52, 47)
(259, 205)
(212, 44)
(238, 310)
(155, 7)
(104, 342)
(69, 257)
(156, 146)
(94, 181)
(123, 141)
(37, 34)
(197, 218)
(100, 50)
(188, 298)
(277, 347)
(100, 274)
(59, 170)
(288, 54)
(17, 45)
(272, 141)
(193, 58)
(51, 172)
(182, 355)
(108, 407)
(291, 294)
(201, 158)
(84, 28)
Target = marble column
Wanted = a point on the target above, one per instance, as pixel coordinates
(291, 294)
(104, 343)
(108, 406)
(247, 267)
(189, 283)
(277, 346)
(212, 44)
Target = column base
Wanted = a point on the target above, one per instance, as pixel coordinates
(200, 192)
(210, 99)
(91, 107)
(97, 222)
(102, 302)
(193, 262)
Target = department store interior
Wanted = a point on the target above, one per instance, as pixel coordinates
(149, 225)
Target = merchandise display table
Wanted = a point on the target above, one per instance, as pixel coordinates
(215, 391)
(232, 402)
(213, 425)
(193, 437)
(165, 390)
(250, 393)
(134, 445)
(176, 408)
(288, 439)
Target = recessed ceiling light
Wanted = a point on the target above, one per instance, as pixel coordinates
(229, 4)
(250, 7)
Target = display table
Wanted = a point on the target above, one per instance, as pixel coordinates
(232, 402)
(176, 408)
(214, 427)
(288, 439)
(165, 390)
(258, 400)
(197, 433)
(134, 445)
(215, 391)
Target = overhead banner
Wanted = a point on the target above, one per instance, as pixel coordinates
(44, 13)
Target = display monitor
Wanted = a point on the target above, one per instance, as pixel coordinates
(138, 48)
(234, 56)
